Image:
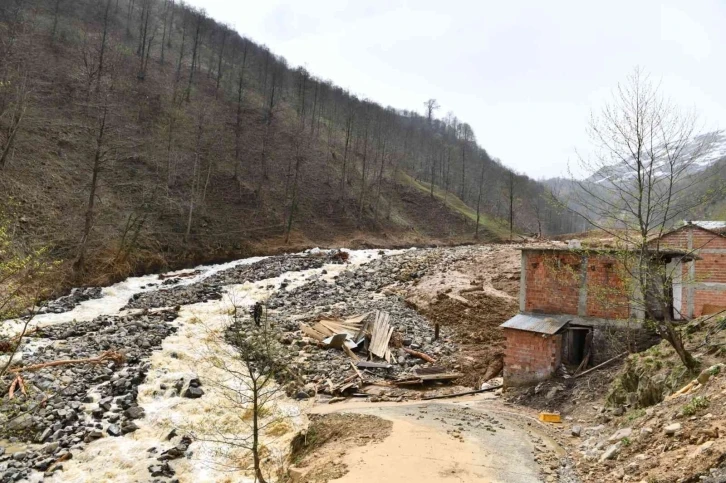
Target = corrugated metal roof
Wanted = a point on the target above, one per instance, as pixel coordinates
(710, 224)
(541, 324)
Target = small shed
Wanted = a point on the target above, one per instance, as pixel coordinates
(533, 348)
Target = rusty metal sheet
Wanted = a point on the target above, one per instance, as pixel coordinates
(541, 324)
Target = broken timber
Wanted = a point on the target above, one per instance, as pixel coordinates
(600, 365)
(420, 355)
(426, 374)
(381, 336)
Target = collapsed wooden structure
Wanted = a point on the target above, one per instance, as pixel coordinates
(374, 335)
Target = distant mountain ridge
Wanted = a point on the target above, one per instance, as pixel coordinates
(712, 147)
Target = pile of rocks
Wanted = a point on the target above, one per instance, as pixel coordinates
(69, 302)
(211, 287)
(272, 267)
(176, 296)
(68, 406)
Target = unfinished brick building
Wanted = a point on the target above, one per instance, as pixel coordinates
(583, 299)
(699, 285)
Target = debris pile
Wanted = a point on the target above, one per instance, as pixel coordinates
(363, 355)
(76, 382)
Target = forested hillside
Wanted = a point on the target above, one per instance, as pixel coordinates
(136, 134)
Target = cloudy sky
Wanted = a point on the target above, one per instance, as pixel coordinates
(524, 74)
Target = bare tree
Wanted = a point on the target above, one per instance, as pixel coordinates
(478, 199)
(431, 106)
(511, 182)
(200, 17)
(250, 362)
(238, 118)
(12, 117)
(645, 149)
(99, 157)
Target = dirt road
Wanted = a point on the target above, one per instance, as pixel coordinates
(463, 441)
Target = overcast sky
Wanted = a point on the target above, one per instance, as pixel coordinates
(524, 74)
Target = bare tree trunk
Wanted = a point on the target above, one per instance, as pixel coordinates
(219, 64)
(16, 120)
(348, 132)
(55, 20)
(238, 121)
(168, 5)
(79, 264)
(315, 106)
(266, 136)
(195, 176)
(380, 180)
(446, 176)
(478, 201)
(191, 198)
(102, 50)
(293, 202)
(195, 47)
(433, 167)
(256, 433)
(511, 205)
(363, 176)
(463, 171)
(177, 77)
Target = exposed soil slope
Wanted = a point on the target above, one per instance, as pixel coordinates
(470, 297)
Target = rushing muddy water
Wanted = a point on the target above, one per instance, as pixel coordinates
(188, 353)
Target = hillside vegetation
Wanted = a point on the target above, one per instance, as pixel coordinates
(141, 134)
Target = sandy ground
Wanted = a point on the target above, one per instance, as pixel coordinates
(465, 441)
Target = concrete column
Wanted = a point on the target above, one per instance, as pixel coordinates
(523, 283)
(691, 292)
(582, 300)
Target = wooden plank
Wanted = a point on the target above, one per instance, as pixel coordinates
(600, 365)
(356, 320)
(381, 335)
(422, 371)
(441, 377)
(360, 376)
(408, 382)
(312, 333)
(373, 365)
(347, 350)
(323, 330)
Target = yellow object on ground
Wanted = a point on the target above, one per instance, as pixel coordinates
(550, 418)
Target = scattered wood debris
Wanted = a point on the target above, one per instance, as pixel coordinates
(373, 335)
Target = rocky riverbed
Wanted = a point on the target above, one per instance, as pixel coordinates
(144, 415)
(63, 408)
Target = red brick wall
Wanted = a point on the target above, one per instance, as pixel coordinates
(702, 239)
(529, 357)
(710, 268)
(711, 297)
(553, 285)
(607, 295)
(553, 282)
